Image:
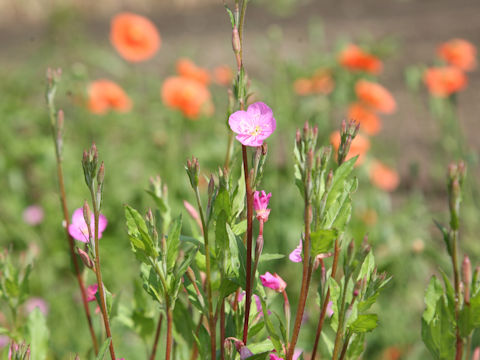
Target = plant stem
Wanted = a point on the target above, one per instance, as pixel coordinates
(325, 302)
(341, 319)
(307, 272)
(248, 290)
(157, 337)
(98, 272)
(456, 280)
(286, 309)
(211, 320)
(222, 330)
(168, 348)
(195, 347)
(345, 346)
(63, 201)
(229, 149)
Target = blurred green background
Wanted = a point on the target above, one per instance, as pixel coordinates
(285, 40)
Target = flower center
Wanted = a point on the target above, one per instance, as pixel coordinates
(256, 131)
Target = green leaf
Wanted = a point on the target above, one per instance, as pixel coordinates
(38, 334)
(322, 241)
(433, 293)
(367, 267)
(238, 202)
(221, 235)
(173, 242)
(334, 297)
(230, 15)
(138, 234)
(270, 257)
(274, 337)
(103, 349)
(364, 323)
(260, 347)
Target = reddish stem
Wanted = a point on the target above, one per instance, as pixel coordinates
(169, 344)
(248, 290)
(71, 244)
(222, 331)
(157, 337)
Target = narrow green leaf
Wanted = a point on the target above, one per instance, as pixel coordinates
(173, 242)
(364, 323)
(103, 349)
(38, 334)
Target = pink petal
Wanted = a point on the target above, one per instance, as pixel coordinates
(296, 254)
(236, 120)
(77, 217)
(77, 234)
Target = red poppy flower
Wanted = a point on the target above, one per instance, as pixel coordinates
(354, 58)
(459, 53)
(135, 37)
(186, 68)
(369, 121)
(444, 81)
(384, 177)
(104, 95)
(375, 96)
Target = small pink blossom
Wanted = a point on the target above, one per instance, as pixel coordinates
(260, 204)
(274, 282)
(296, 355)
(254, 125)
(36, 302)
(4, 340)
(91, 292)
(78, 229)
(33, 215)
(329, 310)
(296, 254)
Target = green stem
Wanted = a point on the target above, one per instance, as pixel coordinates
(98, 272)
(456, 280)
(211, 319)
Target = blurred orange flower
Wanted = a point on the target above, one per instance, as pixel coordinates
(191, 97)
(135, 37)
(359, 146)
(104, 95)
(223, 75)
(444, 81)
(353, 57)
(375, 96)
(459, 53)
(369, 121)
(187, 68)
(320, 83)
(384, 177)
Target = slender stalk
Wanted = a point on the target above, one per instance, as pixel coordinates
(325, 302)
(341, 319)
(345, 346)
(229, 149)
(468, 347)
(194, 354)
(211, 319)
(307, 272)
(286, 309)
(222, 330)
(157, 337)
(56, 125)
(98, 272)
(168, 348)
(456, 281)
(248, 290)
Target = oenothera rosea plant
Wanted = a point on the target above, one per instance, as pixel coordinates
(205, 282)
(452, 311)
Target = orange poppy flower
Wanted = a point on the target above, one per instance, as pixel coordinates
(191, 97)
(135, 37)
(104, 95)
(459, 53)
(322, 82)
(223, 75)
(384, 177)
(444, 81)
(303, 86)
(369, 122)
(359, 146)
(186, 68)
(375, 96)
(354, 58)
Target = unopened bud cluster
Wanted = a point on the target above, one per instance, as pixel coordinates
(348, 132)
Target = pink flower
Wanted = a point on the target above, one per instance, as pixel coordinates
(33, 215)
(254, 125)
(36, 302)
(275, 357)
(296, 254)
(91, 291)
(329, 311)
(78, 229)
(260, 204)
(296, 355)
(274, 282)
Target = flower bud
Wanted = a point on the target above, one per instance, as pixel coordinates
(87, 215)
(467, 277)
(101, 174)
(236, 43)
(85, 259)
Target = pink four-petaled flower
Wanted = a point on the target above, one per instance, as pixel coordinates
(260, 204)
(78, 229)
(254, 125)
(91, 292)
(274, 282)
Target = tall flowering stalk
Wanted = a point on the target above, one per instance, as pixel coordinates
(94, 177)
(56, 123)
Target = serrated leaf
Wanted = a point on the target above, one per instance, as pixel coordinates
(138, 233)
(173, 242)
(322, 241)
(364, 323)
